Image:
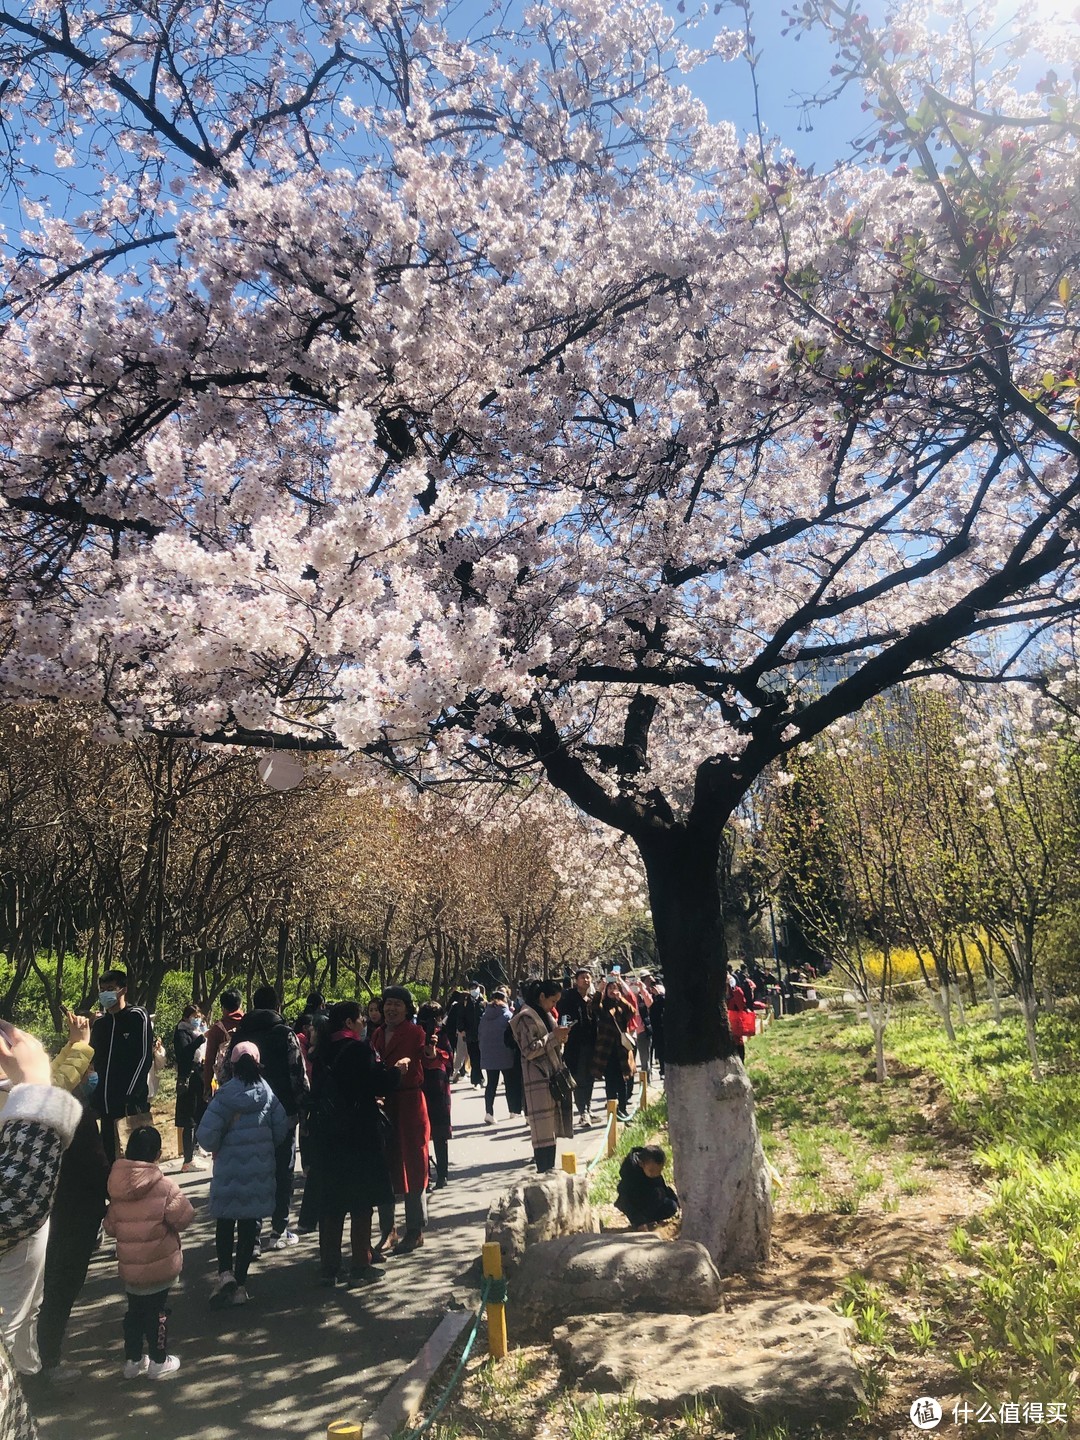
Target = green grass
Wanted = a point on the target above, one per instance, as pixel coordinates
(992, 1310)
(820, 1113)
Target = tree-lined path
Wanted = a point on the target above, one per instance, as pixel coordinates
(298, 1356)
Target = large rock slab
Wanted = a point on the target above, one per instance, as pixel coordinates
(585, 1274)
(552, 1205)
(768, 1360)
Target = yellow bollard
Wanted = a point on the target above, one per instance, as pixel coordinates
(344, 1430)
(613, 1126)
(496, 1309)
(569, 1162)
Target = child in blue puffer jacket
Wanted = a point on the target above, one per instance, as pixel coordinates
(243, 1125)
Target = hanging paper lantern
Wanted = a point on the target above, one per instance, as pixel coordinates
(280, 772)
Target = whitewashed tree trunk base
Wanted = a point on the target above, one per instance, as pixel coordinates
(992, 992)
(720, 1168)
(880, 1068)
(1028, 1002)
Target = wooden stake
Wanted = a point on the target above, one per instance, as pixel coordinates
(569, 1162)
(613, 1126)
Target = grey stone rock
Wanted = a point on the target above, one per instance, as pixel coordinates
(584, 1274)
(769, 1361)
(542, 1209)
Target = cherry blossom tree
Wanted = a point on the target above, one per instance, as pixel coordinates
(477, 405)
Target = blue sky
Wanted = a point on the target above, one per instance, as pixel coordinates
(791, 69)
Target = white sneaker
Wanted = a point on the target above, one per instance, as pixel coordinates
(190, 1165)
(489, 1119)
(168, 1366)
(222, 1293)
(134, 1368)
(240, 1295)
(283, 1241)
(585, 1121)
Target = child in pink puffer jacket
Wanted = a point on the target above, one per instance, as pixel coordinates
(146, 1213)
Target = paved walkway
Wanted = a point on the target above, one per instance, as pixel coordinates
(298, 1356)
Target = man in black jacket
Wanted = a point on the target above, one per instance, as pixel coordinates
(578, 1051)
(122, 1040)
(284, 1071)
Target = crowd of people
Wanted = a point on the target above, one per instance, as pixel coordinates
(364, 1093)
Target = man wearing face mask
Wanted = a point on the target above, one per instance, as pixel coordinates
(123, 1043)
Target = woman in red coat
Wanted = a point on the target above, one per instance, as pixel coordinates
(741, 1019)
(400, 1038)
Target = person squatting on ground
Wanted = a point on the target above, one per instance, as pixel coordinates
(36, 1126)
(349, 1172)
(400, 1038)
(438, 1066)
(540, 1041)
(147, 1211)
(243, 1127)
(22, 1266)
(122, 1040)
(283, 1069)
(496, 1058)
(643, 1197)
(575, 1011)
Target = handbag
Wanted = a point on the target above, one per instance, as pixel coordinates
(561, 1085)
(627, 1042)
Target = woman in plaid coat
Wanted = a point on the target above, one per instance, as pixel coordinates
(540, 1041)
(613, 1059)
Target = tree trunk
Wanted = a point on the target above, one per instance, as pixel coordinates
(722, 1176)
(1028, 1001)
(280, 958)
(877, 1017)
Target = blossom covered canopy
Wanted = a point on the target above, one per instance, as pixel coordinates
(479, 402)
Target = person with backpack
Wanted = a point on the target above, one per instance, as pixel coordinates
(217, 1040)
(243, 1127)
(284, 1071)
(346, 1142)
